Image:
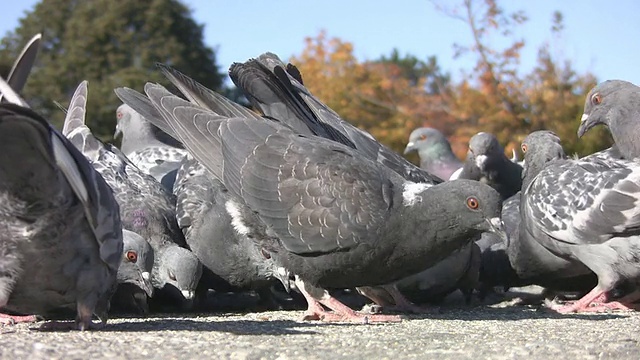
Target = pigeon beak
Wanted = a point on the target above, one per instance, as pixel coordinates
(283, 275)
(145, 284)
(118, 131)
(188, 294)
(585, 125)
(497, 227)
(514, 157)
(410, 147)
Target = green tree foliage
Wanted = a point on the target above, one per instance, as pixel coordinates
(110, 44)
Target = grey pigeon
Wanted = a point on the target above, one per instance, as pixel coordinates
(487, 162)
(282, 96)
(21, 68)
(146, 207)
(147, 147)
(586, 212)
(298, 109)
(435, 152)
(232, 261)
(615, 104)
(327, 214)
(134, 275)
(61, 245)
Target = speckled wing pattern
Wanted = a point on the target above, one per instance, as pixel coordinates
(192, 185)
(578, 201)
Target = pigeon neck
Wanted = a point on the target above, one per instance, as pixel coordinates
(437, 154)
(625, 134)
(139, 137)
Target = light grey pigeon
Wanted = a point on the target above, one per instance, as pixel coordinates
(327, 214)
(232, 260)
(615, 104)
(435, 152)
(149, 148)
(146, 207)
(487, 162)
(586, 212)
(280, 95)
(21, 68)
(61, 243)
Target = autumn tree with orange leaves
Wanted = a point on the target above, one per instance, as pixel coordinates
(378, 96)
(394, 94)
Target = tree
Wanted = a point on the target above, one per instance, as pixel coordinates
(110, 44)
(500, 100)
(388, 97)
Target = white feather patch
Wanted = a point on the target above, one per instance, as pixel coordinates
(456, 174)
(411, 192)
(584, 117)
(480, 161)
(236, 217)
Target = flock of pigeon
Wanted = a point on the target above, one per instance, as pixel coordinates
(289, 200)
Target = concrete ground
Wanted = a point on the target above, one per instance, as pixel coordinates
(452, 331)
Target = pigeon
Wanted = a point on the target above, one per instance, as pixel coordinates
(232, 261)
(435, 152)
(487, 162)
(134, 275)
(615, 104)
(146, 207)
(326, 213)
(586, 213)
(61, 242)
(147, 147)
(281, 95)
(21, 69)
(299, 109)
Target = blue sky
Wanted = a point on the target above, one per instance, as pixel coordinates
(601, 37)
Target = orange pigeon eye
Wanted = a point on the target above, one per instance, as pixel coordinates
(596, 99)
(132, 256)
(472, 203)
(423, 137)
(524, 148)
(119, 115)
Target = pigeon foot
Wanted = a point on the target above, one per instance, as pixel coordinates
(6, 319)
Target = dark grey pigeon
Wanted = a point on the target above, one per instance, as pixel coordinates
(148, 148)
(280, 95)
(21, 69)
(615, 104)
(435, 152)
(487, 162)
(586, 212)
(276, 90)
(146, 207)
(134, 275)
(61, 242)
(232, 261)
(324, 212)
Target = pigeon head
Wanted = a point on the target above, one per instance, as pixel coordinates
(483, 146)
(129, 124)
(428, 142)
(481, 204)
(615, 104)
(472, 205)
(539, 148)
(179, 268)
(137, 262)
